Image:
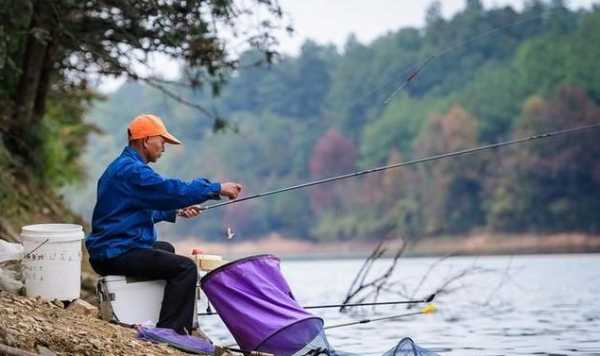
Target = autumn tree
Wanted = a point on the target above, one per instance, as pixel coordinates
(451, 189)
(553, 185)
(333, 154)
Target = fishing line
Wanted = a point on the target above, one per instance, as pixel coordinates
(406, 163)
(413, 74)
(413, 70)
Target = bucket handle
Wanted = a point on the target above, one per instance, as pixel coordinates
(35, 249)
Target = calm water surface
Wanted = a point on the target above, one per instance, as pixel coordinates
(528, 305)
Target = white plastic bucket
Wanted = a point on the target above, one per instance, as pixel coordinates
(52, 264)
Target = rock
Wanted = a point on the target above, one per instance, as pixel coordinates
(7, 337)
(3, 335)
(96, 343)
(54, 306)
(39, 318)
(9, 281)
(44, 351)
(82, 307)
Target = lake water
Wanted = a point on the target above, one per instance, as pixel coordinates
(522, 305)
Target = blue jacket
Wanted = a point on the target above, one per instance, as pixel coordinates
(132, 198)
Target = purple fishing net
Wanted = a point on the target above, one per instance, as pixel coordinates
(257, 306)
(297, 339)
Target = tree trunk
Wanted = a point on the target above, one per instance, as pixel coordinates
(33, 82)
(39, 108)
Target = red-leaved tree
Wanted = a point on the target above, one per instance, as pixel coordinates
(333, 154)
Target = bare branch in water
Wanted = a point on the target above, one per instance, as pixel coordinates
(376, 285)
(428, 272)
(364, 289)
(507, 276)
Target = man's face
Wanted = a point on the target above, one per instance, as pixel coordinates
(155, 146)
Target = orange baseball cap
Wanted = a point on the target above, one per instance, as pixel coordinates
(147, 125)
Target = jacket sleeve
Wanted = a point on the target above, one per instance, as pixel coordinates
(151, 191)
(164, 215)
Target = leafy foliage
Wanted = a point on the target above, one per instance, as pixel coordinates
(51, 50)
(495, 74)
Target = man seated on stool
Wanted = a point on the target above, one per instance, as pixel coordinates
(131, 199)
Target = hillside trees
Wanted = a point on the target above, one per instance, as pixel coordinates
(327, 112)
(548, 187)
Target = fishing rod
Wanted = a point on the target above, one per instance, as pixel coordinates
(411, 74)
(426, 300)
(429, 309)
(406, 163)
(429, 299)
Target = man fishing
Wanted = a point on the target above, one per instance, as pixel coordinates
(131, 198)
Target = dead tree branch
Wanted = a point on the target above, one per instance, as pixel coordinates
(365, 289)
(377, 284)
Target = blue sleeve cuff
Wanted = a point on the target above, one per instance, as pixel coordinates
(164, 215)
(215, 188)
(171, 216)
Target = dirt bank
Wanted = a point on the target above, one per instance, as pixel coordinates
(41, 326)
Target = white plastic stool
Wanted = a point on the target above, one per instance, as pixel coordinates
(130, 301)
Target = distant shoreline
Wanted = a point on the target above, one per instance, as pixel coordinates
(476, 244)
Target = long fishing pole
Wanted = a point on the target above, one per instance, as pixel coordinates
(426, 300)
(412, 74)
(406, 163)
(429, 309)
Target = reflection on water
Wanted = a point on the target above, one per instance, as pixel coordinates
(532, 305)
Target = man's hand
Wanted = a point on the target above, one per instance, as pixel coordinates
(230, 190)
(189, 212)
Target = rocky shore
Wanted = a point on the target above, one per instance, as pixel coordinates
(32, 326)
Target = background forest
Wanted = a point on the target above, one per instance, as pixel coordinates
(329, 111)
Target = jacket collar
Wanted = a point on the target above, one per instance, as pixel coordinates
(133, 153)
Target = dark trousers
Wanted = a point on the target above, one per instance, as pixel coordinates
(160, 262)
